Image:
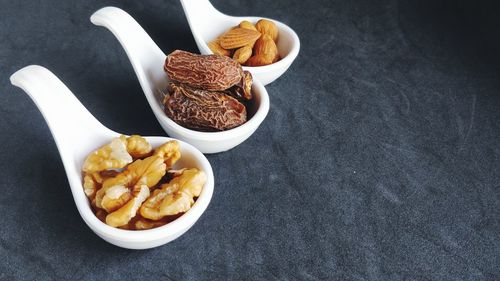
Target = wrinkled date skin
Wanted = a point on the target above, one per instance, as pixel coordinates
(206, 92)
(243, 90)
(207, 72)
(203, 110)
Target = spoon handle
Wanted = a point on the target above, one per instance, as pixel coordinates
(202, 16)
(72, 125)
(146, 57)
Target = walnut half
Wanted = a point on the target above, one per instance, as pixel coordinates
(174, 197)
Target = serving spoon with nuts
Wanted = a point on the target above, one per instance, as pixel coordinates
(77, 133)
(148, 60)
(207, 23)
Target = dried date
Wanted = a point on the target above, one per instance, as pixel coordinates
(203, 110)
(243, 90)
(207, 72)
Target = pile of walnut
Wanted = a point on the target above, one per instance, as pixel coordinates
(130, 185)
(248, 44)
(206, 92)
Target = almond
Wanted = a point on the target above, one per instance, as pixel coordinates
(217, 49)
(242, 54)
(259, 60)
(238, 37)
(265, 46)
(267, 27)
(248, 25)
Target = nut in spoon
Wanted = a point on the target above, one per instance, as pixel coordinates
(207, 23)
(77, 133)
(147, 60)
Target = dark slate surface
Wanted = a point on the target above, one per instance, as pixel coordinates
(379, 159)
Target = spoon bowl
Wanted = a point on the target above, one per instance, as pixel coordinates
(207, 23)
(77, 133)
(147, 60)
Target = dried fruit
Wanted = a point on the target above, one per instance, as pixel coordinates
(267, 27)
(174, 197)
(208, 72)
(203, 110)
(242, 54)
(238, 37)
(247, 85)
(201, 96)
(217, 49)
(243, 90)
(248, 25)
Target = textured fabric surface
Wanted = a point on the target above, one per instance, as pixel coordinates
(379, 159)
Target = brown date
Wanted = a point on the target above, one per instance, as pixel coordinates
(203, 110)
(207, 72)
(243, 90)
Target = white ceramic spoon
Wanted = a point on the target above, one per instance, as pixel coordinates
(77, 133)
(147, 60)
(207, 23)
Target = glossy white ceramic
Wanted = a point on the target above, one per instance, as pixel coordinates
(77, 133)
(207, 23)
(147, 60)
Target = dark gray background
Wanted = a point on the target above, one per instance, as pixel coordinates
(379, 159)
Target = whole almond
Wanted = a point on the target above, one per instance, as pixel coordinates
(248, 25)
(267, 27)
(238, 37)
(217, 49)
(265, 46)
(259, 60)
(242, 54)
